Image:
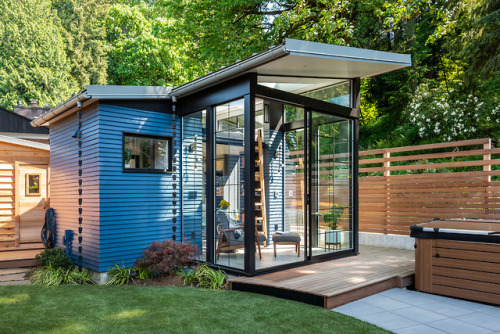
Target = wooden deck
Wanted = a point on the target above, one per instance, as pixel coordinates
(22, 256)
(336, 282)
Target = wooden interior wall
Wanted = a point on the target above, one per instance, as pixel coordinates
(9, 155)
(402, 186)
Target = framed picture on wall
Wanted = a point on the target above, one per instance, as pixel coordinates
(33, 184)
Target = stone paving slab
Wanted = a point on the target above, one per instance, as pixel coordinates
(25, 282)
(13, 271)
(405, 312)
(13, 276)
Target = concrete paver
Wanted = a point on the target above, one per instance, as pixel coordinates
(406, 312)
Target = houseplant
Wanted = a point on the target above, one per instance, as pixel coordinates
(224, 205)
(127, 155)
(332, 235)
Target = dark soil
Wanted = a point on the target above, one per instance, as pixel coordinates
(161, 281)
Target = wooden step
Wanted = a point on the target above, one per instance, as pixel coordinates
(16, 259)
(23, 246)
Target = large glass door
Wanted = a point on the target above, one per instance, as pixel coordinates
(330, 163)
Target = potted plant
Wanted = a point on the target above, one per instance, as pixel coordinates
(224, 205)
(332, 235)
(127, 154)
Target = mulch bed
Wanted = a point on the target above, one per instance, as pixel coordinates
(161, 281)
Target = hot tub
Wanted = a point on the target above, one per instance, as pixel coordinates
(458, 258)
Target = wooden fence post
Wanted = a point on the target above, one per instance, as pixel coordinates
(487, 168)
(387, 173)
(487, 157)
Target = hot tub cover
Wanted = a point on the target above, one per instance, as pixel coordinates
(475, 230)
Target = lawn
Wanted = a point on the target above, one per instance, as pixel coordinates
(134, 309)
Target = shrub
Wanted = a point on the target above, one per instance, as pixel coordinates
(55, 258)
(143, 273)
(167, 256)
(205, 277)
(120, 275)
(452, 115)
(52, 276)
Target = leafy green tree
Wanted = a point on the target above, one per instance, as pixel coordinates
(85, 37)
(480, 37)
(33, 62)
(142, 50)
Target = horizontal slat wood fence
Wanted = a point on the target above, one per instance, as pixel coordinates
(402, 186)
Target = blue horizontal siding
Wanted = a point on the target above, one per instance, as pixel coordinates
(273, 175)
(64, 184)
(135, 208)
(193, 214)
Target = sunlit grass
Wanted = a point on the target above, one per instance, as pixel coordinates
(14, 299)
(127, 314)
(135, 309)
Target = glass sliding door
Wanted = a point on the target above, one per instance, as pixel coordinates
(229, 184)
(279, 183)
(331, 183)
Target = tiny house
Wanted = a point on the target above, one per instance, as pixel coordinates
(256, 163)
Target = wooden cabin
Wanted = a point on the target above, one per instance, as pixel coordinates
(24, 196)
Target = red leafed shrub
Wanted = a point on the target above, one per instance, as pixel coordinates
(165, 256)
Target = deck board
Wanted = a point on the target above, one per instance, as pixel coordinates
(338, 281)
(22, 257)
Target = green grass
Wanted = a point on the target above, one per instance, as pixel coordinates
(135, 309)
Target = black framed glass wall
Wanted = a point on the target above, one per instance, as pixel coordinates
(331, 143)
(280, 190)
(229, 185)
(272, 181)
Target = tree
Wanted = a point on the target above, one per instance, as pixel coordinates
(85, 38)
(33, 64)
(480, 37)
(142, 47)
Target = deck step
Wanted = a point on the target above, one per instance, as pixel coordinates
(332, 283)
(18, 258)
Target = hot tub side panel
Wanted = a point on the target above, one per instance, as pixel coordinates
(468, 270)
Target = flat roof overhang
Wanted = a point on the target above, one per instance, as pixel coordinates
(293, 58)
(304, 59)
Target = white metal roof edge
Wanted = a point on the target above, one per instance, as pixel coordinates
(229, 72)
(23, 142)
(128, 92)
(97, 92)
(299, 47)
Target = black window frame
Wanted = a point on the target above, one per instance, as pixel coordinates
(171, 160)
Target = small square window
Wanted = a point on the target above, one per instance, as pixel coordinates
(33, 185)
(147, 153)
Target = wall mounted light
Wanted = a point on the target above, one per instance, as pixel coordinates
(266, 113)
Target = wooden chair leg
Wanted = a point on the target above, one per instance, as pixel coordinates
(298, 249)
(258, 246)
(274, 244)
(257, 241)
(218, 251)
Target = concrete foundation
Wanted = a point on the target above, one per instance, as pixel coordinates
(386, 240)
